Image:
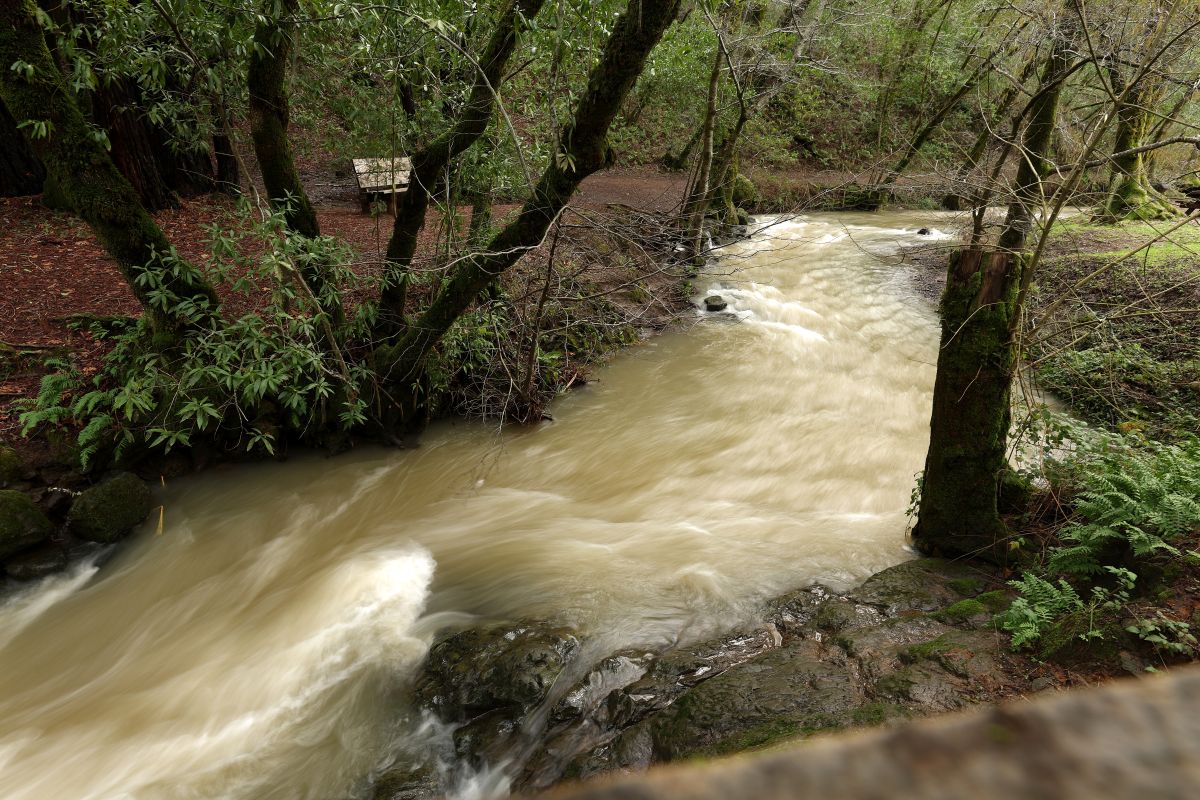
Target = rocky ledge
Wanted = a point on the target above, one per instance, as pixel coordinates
(48, 516)
(913, 640)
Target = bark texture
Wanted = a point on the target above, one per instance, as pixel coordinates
(133, 147)
(82, 170)
(966, 467)
(266, 80)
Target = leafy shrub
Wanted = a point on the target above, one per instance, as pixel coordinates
(237, 382)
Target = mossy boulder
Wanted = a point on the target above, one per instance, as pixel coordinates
(507, 668)
(110, 510)
(12, 468)
(743, 192)
(924, 584)
(782, 694)
(22, 523)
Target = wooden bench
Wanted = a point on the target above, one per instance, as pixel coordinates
(381, 179)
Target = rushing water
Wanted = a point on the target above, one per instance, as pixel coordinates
(257, 647)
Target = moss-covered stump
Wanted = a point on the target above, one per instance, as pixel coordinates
(108, 511)
(743, 193)
(22, 524)
(37, 563)
(495, 668)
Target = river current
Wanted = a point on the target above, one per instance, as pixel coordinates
(258, 647)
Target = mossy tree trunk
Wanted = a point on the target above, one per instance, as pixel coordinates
(430, 162)
(582, 150)
(95, 189)
(1130, 195)
(966, 466)
(20, 171)
(270, 111)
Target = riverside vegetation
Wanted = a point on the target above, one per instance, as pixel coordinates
(269, 322)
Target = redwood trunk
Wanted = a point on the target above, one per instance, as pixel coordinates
(20, 171)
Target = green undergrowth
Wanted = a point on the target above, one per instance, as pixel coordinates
(1120, 566)
(251, 385)
(1119, 339)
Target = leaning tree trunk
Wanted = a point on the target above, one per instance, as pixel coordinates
(20, 171)
(967, 467)
(266, 79)
(270, 110)
(583, 149)
(698, 197)
(1130, 195)
(429, 163)
(82, 169)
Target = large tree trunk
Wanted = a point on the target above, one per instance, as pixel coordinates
(132, 146)
(266, 79)
(270, 109)
(20, 171)
(1130, 195)
(82, 169)
(583, 149)
(967, 467)
(429, 164)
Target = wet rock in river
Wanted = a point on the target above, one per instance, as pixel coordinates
(479, 670)
(714, 302)
(22, 524)
(408, 783)
(110, 510)
(36, 563)
(906, 643)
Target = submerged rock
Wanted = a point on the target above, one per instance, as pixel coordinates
(408, 783)
(22, 524)
(37, 563)
(714, 302)
(110, 510)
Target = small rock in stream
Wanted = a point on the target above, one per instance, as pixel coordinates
(714, 302)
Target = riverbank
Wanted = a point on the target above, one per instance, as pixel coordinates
(531, 700)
